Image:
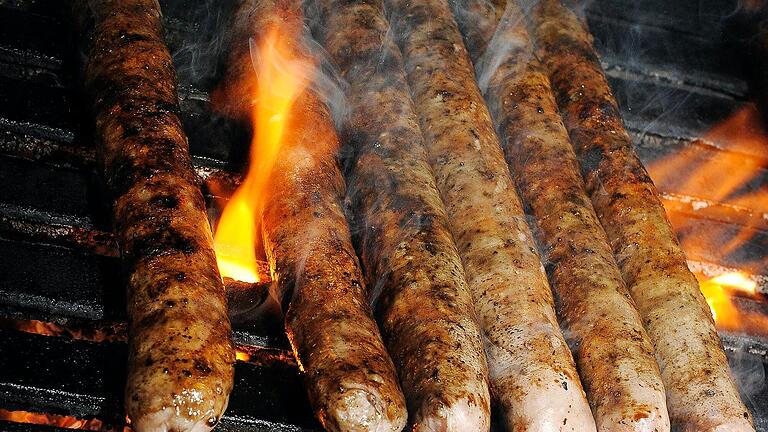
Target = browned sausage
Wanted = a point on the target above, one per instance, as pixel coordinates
(181, 359)
(700, 392)
(613, 352)
(351, 380)
(532, 373)
(425, 307)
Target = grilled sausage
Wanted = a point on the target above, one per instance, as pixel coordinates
(612, 350)
(532, 374)
(425, 307)
(181, 358)
(700, 392)
(351, 380)
(477, 21)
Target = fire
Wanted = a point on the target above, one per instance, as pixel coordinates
(61, 421)
(719, 292)
(281, 75)
(242, 355)
(720, 178)
(92, 332)
(721, 185)
(736, 304)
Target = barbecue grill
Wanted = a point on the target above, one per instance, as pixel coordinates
(676, 68)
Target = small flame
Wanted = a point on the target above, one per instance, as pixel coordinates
(743, 316)
(719, 292)
(61, 421)
(718, 178)
(92, 332)
(242, 356)
(281, 75)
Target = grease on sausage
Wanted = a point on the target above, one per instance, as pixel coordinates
(425, 307)
(181, 358)
(701, 395)
(532, 373)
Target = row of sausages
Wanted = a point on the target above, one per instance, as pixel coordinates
(453, 312)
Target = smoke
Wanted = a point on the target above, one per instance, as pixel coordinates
(198, 37)
(327, 83)
(356, 80)
(748, 364)
(309, 60)
(316, 70)
(508, 39)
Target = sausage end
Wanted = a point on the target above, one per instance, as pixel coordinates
(649, 422)
(361, 410)
(551, 408)
(169, 420)
(462, 416)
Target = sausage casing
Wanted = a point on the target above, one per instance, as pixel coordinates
(614, 355)
(701, 394)
(532, 374)
(425, 307)
(181, 357)
(351, 381)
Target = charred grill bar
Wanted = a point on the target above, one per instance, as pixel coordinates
(672, 74)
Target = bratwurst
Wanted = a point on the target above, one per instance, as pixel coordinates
(351, 380)
(532, 373)
(181, 358)
(700, 392)
(612, 350)
(424, 307)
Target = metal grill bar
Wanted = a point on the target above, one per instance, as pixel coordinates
(83, 379)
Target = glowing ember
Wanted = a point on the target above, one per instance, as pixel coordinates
(242, 356)
(280, 76)
(115, 333)
(92, 332)
(59, 421)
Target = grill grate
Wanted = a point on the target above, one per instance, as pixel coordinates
(673, 76)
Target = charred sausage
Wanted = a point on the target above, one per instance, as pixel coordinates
(700, 392)
(532, 373)
(424, 307)
(181, 358)
(351, 380)
(612, 350)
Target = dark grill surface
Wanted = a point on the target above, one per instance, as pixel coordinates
(672, 69)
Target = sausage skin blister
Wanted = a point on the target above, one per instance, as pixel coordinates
(181, 358)
(424, 307)
(701, 395)
(614, 355)
(532, 374)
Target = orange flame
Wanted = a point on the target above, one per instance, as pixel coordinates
(242, 355)
(281, 75)
(61, 421)
(92, 332)
(719, 292)
(718, 178)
